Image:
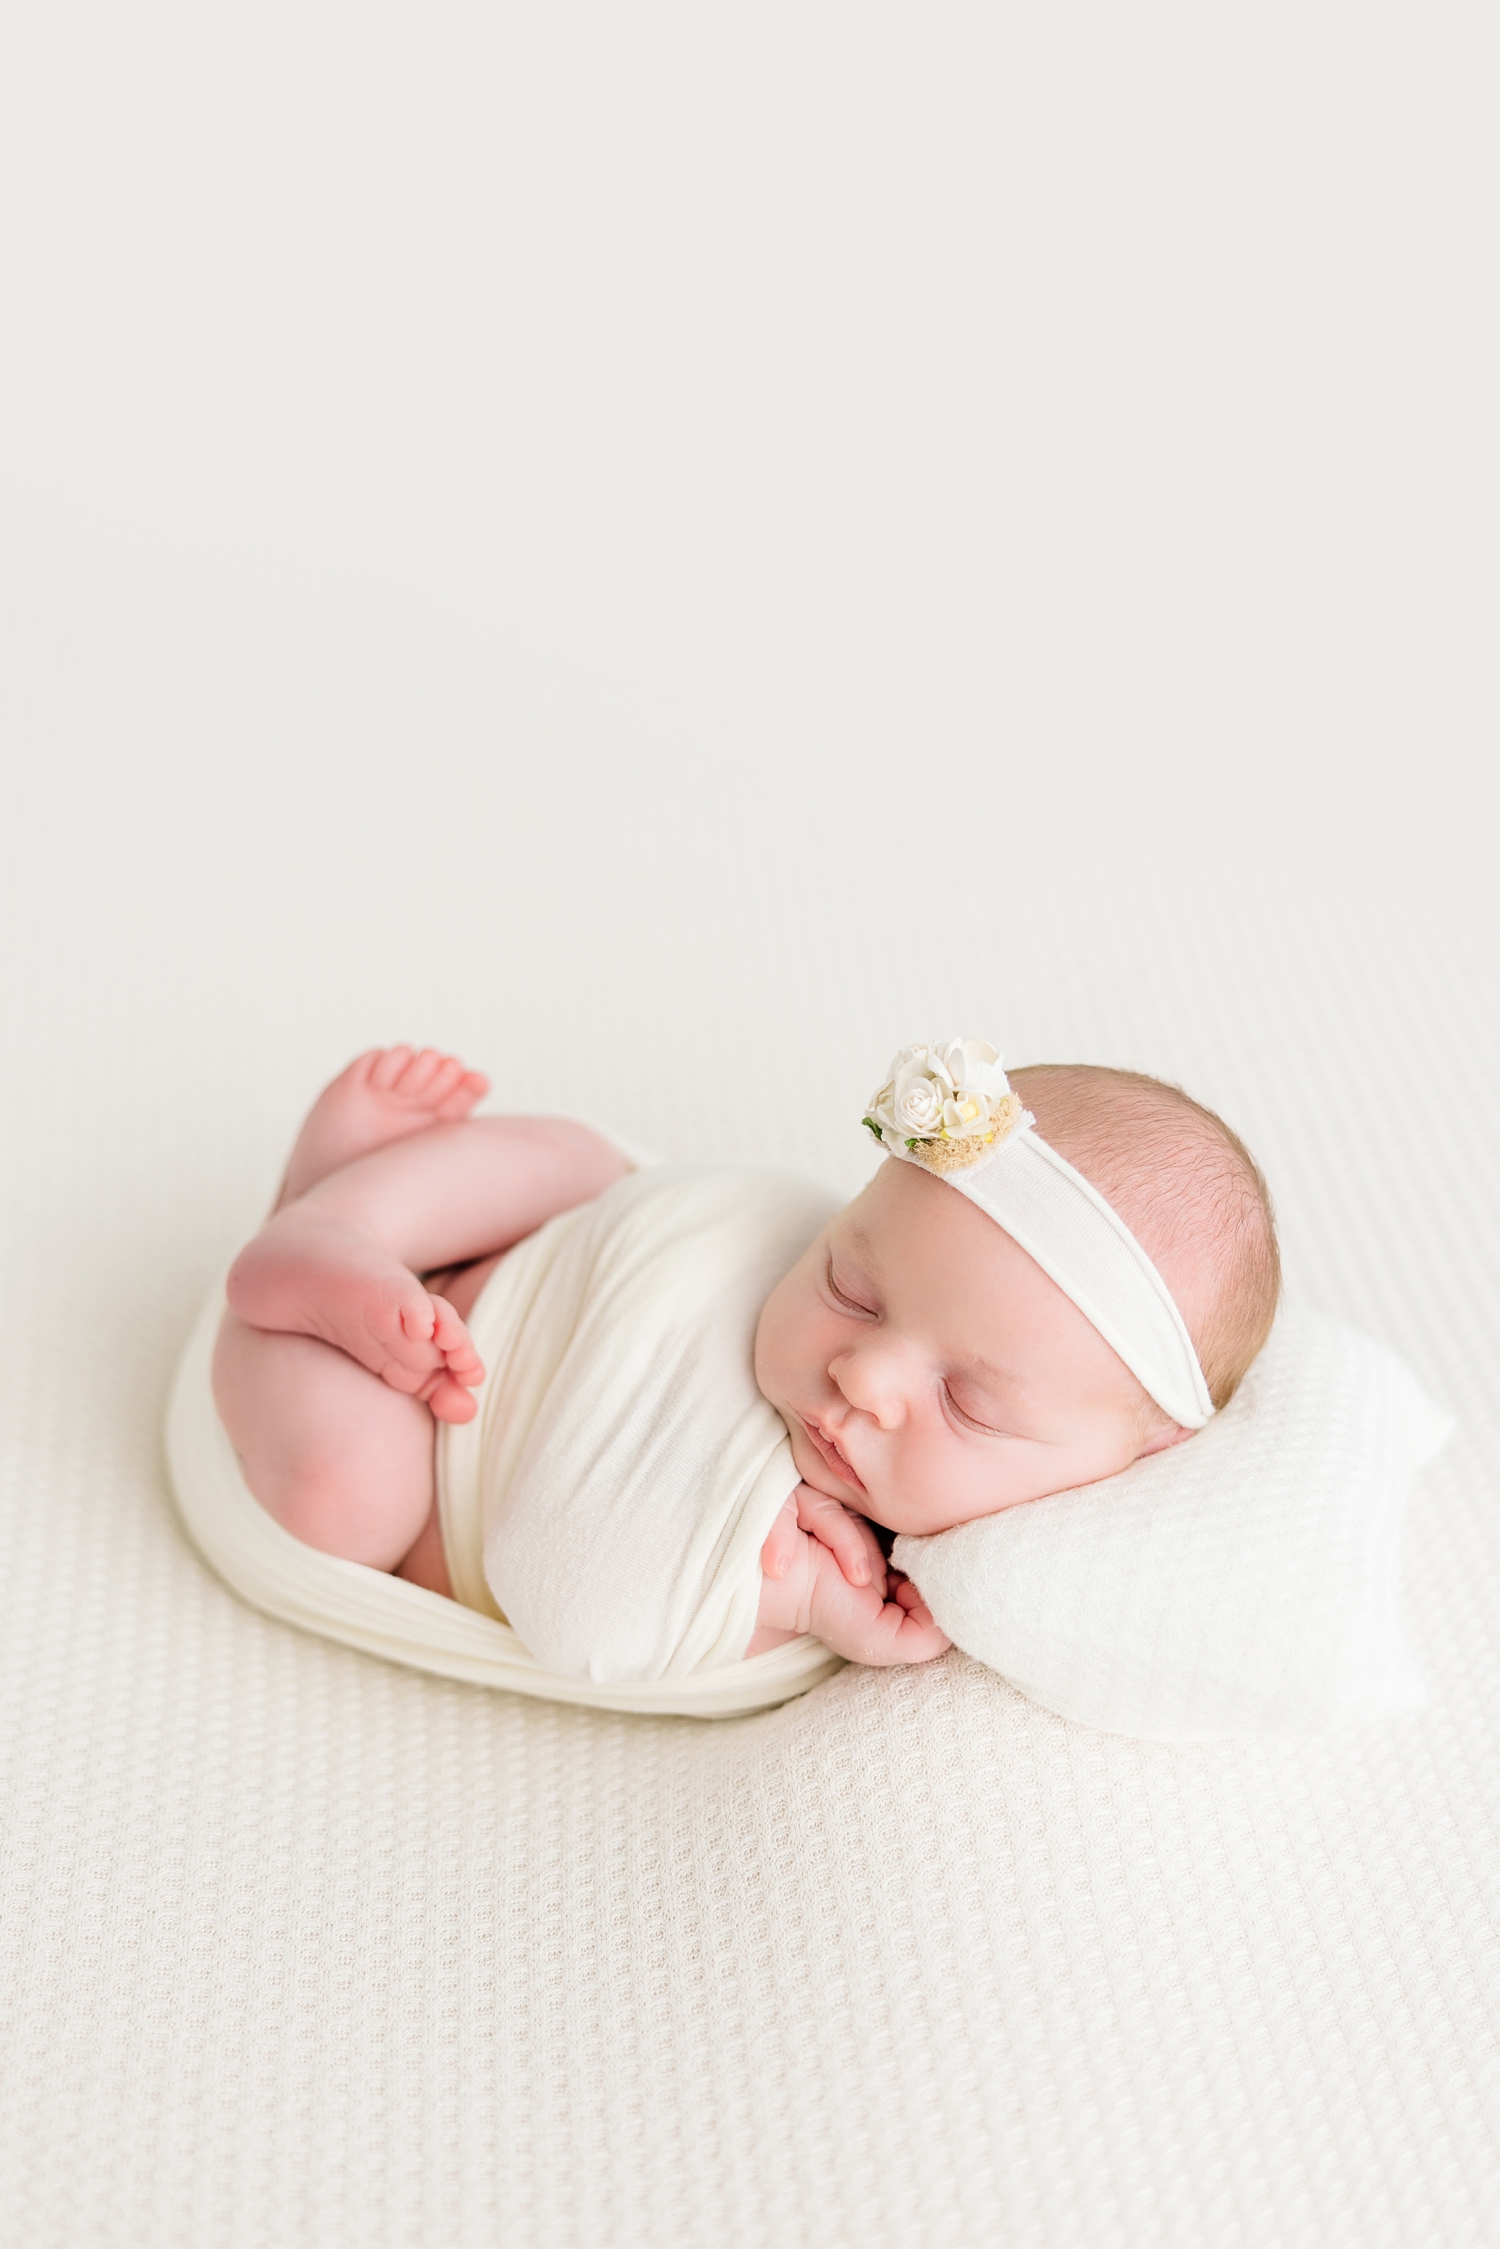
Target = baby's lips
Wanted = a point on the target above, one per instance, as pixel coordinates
(835, 1459)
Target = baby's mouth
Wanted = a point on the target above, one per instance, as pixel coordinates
(831, 1454)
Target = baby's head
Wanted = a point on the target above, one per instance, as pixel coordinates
(931, 1371)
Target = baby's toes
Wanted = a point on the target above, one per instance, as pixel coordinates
(387, 1066)
(444, 1078)
(411, 1381)
(467, 1088)
(466, 1367)
(402, 1331)
(417, 1319)
(413, 1083)
(449, 1400)
(396, 1349)
(453, 1339)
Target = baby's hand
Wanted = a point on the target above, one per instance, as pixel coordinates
(848, 1538)
(857, 1623)
(809, 1592)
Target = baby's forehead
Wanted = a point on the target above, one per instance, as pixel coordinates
(906, 1224)
(951, 1278)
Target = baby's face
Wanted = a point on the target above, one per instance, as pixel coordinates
(929, 1372)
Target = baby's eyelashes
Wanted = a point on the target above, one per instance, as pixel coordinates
(969, 1420)
(842, 1297)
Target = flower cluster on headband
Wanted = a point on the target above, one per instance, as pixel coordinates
(947, 1105)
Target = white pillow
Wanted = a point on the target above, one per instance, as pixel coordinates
(1243, 1583)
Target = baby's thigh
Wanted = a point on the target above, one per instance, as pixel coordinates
(340, 1459)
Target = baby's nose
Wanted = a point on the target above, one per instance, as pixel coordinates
(871, 1380)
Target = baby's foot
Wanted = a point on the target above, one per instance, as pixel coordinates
(305, 1274)
(383, 1096)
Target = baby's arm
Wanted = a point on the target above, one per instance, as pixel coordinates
(811, 1585)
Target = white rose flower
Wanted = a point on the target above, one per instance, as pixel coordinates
(879, 1110)
(918, 1102)
(950, 1091)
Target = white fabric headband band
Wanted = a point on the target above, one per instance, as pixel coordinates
(949, 1109)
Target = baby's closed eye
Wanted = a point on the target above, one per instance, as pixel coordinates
(848, 1293)
(975, 1413)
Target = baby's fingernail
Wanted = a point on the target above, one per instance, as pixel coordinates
(861, 1573)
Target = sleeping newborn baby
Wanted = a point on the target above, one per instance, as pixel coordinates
(652, 1415)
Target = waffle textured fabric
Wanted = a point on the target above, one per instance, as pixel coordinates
(307, 1950)
(1246, 1582)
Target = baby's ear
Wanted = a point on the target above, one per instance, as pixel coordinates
(1162, 1440)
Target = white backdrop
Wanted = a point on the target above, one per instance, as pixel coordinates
(1086, 381)
(674, 551)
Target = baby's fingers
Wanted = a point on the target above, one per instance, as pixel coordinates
(780, 1549)
(904, 1631)
(848, 1538)
(917, 1610)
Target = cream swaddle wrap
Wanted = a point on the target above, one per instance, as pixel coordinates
(612, 1495)
(622, 1424)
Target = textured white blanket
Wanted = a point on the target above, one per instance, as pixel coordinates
(305, 1950)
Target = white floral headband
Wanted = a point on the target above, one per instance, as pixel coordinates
(949, 1109)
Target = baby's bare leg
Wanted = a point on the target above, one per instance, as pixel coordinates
(333, 1355)
(339, 1458)
(341, 1263)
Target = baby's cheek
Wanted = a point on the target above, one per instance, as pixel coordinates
(927, 1475)
(935, 1485)
(767, 1348)
(780, 1344)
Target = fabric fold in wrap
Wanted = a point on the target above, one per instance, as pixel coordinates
(623, 1470)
